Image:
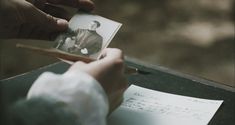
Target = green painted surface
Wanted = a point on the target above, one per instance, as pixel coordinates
(16, 88)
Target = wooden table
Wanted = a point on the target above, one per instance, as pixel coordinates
(156, 78)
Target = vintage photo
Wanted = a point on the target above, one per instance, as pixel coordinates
(87, 35)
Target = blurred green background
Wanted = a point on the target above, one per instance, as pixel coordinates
(190, 36)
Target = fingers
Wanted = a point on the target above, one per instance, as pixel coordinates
(109, 72)
(36, 17)
(112, 54)
(49, 7)
(56, 11)
(85, 5)
(25, 30)
(49, 25)
(38, 3)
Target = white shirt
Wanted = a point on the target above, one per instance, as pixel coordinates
(79, 91)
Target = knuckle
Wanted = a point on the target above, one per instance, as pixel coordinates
(78, 63)
(118, 63)
(119, 53)
(50, 17)
(117, 50)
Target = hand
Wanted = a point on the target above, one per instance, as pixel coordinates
(109, 71)
(32, 19)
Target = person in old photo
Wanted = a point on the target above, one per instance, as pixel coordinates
(82, 41)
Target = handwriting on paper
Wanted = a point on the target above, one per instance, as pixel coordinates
(169, 108)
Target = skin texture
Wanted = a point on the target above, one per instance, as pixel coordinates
(109, 71)
(36, 19)
(43, 19)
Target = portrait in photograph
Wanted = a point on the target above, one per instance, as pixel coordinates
(87, 35)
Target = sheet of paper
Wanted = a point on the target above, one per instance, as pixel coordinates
(143, 106)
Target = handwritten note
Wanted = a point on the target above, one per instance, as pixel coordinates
(143, 106)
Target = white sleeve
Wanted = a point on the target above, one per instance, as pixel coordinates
(79, 91)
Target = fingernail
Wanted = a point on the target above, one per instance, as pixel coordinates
(62, 23)
(86, 5)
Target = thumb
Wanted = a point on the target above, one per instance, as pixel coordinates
(44, 20)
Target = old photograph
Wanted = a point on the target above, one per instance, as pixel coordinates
(87, 35)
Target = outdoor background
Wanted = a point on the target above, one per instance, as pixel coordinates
(191, 36)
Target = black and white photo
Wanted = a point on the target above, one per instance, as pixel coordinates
(87, 35)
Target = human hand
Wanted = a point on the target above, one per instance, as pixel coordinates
(36, 18)
(109, 71)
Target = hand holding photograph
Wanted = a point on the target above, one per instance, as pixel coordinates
(85, 39)
(87, 35)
